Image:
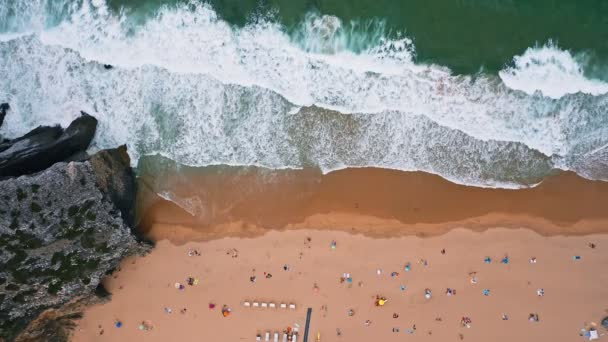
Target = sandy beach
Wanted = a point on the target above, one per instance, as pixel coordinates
(247, 223)
(575, 290)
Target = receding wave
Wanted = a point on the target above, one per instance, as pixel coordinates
(191, 87)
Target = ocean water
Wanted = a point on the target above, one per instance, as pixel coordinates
(484, 93)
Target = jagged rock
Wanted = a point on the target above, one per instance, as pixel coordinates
(61, 230)
(116, 179)
(605, 322)
(44, 146)
(3, 108)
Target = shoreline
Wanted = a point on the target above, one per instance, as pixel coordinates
(248, 201)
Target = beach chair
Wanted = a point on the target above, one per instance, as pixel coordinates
(276, 337)
(256, 304)
(284, 337)
(272, 305)
(258, 337)
(267, 337)
(292, 306)
(246, 304)
(294, 338)
(283, 306)
(264, 305)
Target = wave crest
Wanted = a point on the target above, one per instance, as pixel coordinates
(551, 71)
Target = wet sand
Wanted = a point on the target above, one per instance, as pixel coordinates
(374, 202)
(576, 291)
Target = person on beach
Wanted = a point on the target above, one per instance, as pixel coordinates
(427, 293)
(473, 277)
(466, 322)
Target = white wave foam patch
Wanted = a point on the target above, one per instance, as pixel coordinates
(551, 71)
(196, 120)
(192, 205)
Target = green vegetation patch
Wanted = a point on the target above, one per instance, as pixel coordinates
(35, 207)
(35, 188)
(73, 210)
(21, 195)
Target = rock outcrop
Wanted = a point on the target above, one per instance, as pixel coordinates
(61, 229)
(3, 108)
(45, 146)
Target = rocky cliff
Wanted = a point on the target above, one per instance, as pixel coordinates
(63, 228)
(44, 146)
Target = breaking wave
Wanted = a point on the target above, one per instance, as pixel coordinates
(551, 71)
(189, 86)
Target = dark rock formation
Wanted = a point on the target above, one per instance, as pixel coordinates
(3, 108)
(62, 229)
(605, 322)
(108, 66)
(116, 179)
(44, 146)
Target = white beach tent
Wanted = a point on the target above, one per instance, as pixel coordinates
(593, 335)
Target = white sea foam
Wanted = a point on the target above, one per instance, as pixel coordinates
(551, 71)
(192, 205)
(190, 87)
(193, 40)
